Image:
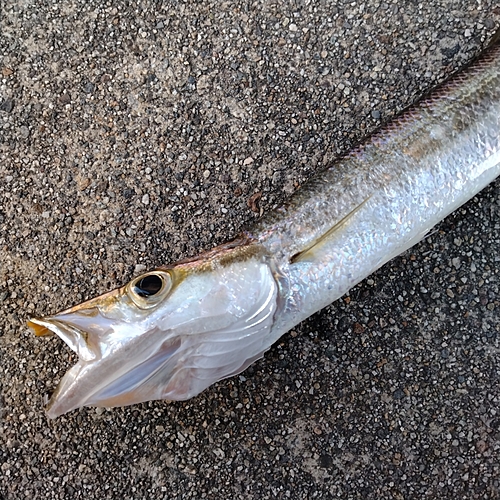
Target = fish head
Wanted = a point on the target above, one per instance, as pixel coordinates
(167, 334)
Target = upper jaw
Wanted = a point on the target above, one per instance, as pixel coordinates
(82, 327)
(76, 339)
(91, 308)
(66, 327)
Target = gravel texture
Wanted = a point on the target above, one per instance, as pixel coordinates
(133, 135)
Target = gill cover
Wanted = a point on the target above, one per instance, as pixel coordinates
(168, 334)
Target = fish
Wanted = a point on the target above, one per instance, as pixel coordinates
(172, 332)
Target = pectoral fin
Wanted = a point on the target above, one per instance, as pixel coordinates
(308, 252)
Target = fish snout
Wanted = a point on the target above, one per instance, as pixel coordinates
(80, 332)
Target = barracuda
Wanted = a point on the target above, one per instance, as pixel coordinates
(174, 331)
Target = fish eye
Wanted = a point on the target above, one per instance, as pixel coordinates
(149, 285)
(150, 289)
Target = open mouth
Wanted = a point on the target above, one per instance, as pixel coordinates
(107, 375)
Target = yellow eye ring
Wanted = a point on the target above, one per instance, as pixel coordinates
(149, 289)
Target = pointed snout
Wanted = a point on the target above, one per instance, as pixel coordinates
(80, 326)
(73, 330)
(38, 327)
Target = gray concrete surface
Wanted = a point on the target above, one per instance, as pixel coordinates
(134, 134)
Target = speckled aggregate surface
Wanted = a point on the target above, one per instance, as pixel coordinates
(133, 135)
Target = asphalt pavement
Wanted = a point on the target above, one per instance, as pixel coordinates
(136, 134)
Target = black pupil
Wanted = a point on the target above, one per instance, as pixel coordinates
(149, 285)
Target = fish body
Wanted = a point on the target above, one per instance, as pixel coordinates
(386, 194)
(172, 332)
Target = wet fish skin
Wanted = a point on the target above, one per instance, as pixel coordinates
(389, 191)
(172, 332)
